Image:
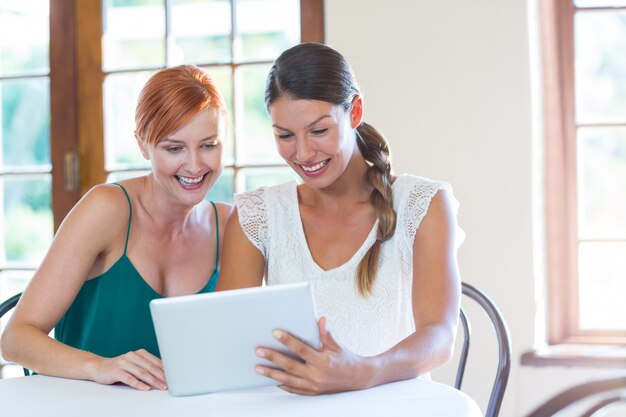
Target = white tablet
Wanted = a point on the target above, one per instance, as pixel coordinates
(208, 341)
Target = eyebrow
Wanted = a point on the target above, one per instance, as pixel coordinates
(309, 125)
(172, 140)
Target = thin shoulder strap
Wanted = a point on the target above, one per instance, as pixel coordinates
(217, 235)
(130, 215)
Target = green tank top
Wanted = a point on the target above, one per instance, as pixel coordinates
(110, 315)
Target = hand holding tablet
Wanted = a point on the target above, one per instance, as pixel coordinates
(208, 342)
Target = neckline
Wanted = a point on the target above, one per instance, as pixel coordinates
(143, 282)
(367, 243)
(142, 279)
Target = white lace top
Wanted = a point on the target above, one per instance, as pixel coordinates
(270, 218)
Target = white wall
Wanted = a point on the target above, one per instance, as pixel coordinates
(449, 84)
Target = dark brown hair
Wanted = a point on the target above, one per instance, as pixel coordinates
(312, 71)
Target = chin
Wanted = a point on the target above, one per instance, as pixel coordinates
(316, 183)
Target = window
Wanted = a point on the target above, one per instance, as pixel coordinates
(70, 72)
(25, 162)
(236, 48)
(585, 133)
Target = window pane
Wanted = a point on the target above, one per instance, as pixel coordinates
(600, 41)
(223, 77)
(25, 134)
(13, 282)
(255, 139)
(602, 183)
(24, 37)
(599, 3)
(602, 291)
(200, 32)
(133, 34)
(26, 218)
(223, 189)
(265, 38)
(251, 178)
(118, 176)
(120, 98)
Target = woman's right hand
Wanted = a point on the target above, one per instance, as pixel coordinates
(139, 369)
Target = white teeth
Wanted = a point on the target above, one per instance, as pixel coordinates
(315, 167)
(189, 181)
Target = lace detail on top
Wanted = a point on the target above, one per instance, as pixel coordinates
(252, 216)
(270, 218)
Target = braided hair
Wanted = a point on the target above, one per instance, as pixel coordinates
(313, 71)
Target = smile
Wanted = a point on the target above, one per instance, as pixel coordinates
(316, 167)
(189, 180)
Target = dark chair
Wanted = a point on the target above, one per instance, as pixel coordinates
(7, 305)
(504, 347)
(607, 391)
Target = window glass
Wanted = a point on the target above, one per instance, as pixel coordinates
(265, 38)
(223, 77)
(223, 189)
(602, 183)
(11, 283)
(26, 218)
(600, 3)
(200, 31)
(25, 109)
(601, 285)
(24, 37)
(124, 175)
(133, 34)
(120, 99)
(600, 66)
(255, 138)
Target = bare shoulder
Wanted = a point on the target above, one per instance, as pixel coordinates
(103, 211)
(440, 219)
(107, 201)
(441, 205)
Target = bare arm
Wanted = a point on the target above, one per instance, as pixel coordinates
(435, 297)
(242, 263)
(86, 234)
(436, 300)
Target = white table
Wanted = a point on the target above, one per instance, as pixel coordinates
(52, 397)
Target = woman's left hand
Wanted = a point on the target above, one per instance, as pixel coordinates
(330, 369)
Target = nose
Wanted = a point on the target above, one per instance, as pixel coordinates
(194, 163)
(304, 150)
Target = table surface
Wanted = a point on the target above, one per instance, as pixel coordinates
(42, 395)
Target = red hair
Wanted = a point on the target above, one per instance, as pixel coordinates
(171, 98)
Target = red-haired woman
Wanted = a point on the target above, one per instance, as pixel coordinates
(125, 244)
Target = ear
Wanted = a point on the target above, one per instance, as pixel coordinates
(356, 112)
(142, 146)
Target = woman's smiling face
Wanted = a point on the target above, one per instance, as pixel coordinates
(188, 162)
(317, 139)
